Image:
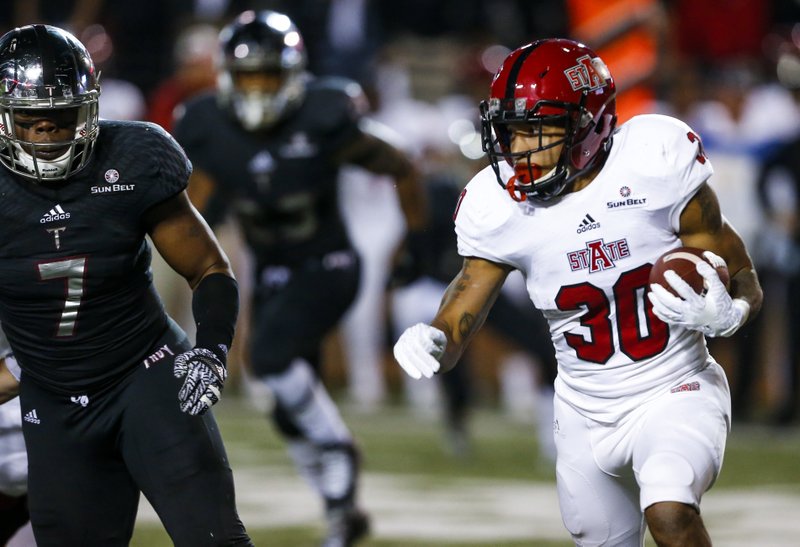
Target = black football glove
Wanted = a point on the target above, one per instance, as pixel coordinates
(204, 377)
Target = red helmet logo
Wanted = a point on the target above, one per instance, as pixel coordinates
(589, 73)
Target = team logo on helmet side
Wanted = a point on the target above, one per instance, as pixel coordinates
(588, 74)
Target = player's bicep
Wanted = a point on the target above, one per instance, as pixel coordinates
(702, 225)
(201, 189)
(184, 239)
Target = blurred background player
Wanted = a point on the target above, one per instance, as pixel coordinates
(742, 119)
(268, 148)
(779, 194)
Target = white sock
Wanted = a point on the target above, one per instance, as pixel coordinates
(306, 458)
(307, 402)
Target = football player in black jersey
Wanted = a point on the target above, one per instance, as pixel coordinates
(114, 397)
(268, 147)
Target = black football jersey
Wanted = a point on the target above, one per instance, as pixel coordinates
(280, 184)
(76, 294)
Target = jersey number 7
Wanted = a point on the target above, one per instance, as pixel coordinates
(72, 271)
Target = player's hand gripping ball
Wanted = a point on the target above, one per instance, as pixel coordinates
(683, 261)
(703, 304)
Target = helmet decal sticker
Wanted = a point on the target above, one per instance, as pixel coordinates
(587, 74)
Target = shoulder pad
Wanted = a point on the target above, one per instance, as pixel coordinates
(665, 145)
(150, 155)
(482, 217)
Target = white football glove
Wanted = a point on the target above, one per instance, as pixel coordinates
(419, 349)
(204, 377)
(714, 314)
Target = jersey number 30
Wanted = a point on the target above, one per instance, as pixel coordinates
(641, 333)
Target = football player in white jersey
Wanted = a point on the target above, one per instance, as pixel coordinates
(583, 209)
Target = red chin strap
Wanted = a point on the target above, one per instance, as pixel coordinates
(522, 175)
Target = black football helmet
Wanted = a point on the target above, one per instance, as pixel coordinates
(266, 42)
(552, 82)
(44, 68)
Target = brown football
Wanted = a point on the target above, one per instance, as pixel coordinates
(683, 261)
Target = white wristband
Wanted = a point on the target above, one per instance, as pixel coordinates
(744, 307)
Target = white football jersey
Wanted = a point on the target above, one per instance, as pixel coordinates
(586, 258)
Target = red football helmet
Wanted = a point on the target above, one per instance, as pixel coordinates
(554, 82)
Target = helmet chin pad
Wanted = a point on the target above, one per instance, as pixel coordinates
(255, 110)
(46, 169)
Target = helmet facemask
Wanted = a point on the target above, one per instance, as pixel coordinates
(42, 161)
(261, 108)
(500, 120)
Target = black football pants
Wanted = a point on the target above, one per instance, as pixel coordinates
(291, 319)
(90, 454)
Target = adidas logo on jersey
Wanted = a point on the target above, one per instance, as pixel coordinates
(588, 223)
(56, 213)
(32, 417)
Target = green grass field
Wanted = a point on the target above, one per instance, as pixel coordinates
(405, 452)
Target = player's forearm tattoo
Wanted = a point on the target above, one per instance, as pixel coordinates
(466, 322)
(462, 282)
(463, 278)
(465, 325)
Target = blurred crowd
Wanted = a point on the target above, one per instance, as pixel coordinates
(730, 69)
